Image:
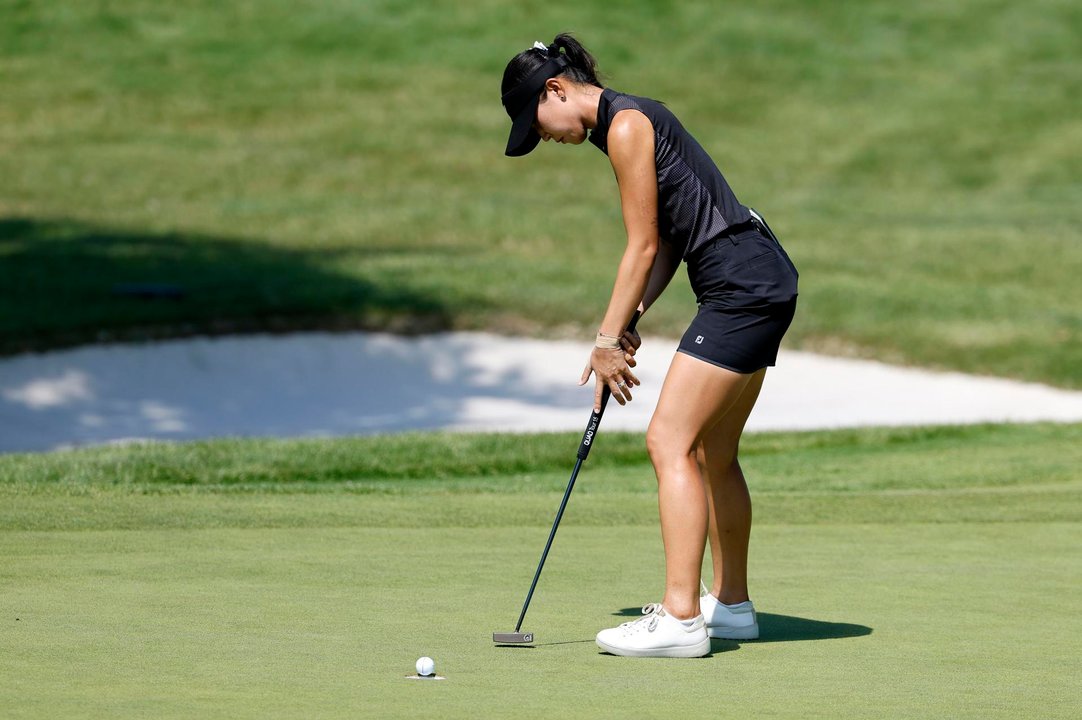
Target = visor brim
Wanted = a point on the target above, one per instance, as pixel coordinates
(521, 106)
(523, 137)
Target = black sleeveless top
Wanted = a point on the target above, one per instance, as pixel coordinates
(695, 203)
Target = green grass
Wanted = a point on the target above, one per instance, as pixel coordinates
(898, 572)
(339, 164)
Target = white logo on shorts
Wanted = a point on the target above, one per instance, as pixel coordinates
(699, 340)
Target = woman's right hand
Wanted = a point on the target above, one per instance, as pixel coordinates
(613, 370)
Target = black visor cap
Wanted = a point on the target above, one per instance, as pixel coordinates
(521, 105)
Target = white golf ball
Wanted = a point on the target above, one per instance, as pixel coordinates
(426, 666)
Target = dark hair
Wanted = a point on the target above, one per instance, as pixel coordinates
(581, 67)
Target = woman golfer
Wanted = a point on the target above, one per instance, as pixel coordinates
(676, 206)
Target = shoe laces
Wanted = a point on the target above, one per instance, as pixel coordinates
(651, 613)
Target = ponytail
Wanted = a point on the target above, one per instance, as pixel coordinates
(582, 67)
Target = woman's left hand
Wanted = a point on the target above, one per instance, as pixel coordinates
(613, 370)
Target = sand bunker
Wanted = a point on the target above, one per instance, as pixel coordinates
(321, 384)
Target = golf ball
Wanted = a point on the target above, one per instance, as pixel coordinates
(426, 666)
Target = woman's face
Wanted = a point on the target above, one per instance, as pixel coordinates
(557, 119)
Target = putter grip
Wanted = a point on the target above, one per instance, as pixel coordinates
(595, 417)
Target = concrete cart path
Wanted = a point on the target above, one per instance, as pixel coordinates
(322, 384)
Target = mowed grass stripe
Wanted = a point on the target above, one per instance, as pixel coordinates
(864, 458)
(106, 510)
(965, 474)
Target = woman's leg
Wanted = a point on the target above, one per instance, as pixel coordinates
(696, 396)
(728, 500)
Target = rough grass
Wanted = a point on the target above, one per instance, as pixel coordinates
(935, 458)
(290, 165)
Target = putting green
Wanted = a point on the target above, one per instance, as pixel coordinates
(898, 620)
(898, 572)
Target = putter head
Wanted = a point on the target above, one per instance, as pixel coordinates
(512, 638)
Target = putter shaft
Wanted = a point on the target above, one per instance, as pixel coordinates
(588, 436)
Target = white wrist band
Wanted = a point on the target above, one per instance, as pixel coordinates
(607, 342)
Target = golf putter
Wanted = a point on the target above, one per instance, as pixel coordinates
(525, 638)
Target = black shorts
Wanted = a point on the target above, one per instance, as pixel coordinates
(746, 287)
(739, 339)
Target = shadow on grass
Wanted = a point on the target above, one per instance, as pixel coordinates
(66, 282)
(786, 628)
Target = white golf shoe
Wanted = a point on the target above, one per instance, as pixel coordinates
(656, 634)
(732, 622)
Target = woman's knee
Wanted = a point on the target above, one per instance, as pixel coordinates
(655, 441)
(666, 446)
